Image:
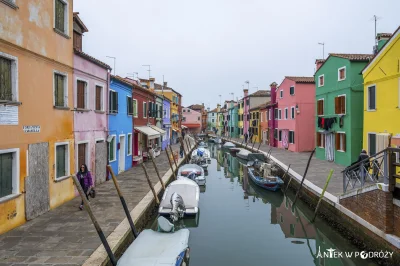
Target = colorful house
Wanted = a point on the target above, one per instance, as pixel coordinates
(120, 124)
(240, 123)
(212, 119)
(202, 110)
(192, 120)
(252, 101)
(246, 114)
(296, 101)
(233, 119)
(159, 117)
(382, 96)
(36, 98)
(339, 107)
(264, 122)
(273, 116)
(166, 122)
(255, 127)
(91, 88)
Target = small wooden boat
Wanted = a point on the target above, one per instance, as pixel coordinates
(272, 183)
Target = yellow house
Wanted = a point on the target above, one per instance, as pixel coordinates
(240, 120)
(255, 126)
(382, 96)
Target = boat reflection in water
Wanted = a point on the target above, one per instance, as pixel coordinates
(187, 222)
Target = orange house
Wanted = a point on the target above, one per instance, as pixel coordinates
(36, 123)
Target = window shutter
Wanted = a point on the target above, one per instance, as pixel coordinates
(6, 174)
(344, 142)
(343, 104)
(337, 141)
(5, 79)
(337, 105)
(60, 15)
(81, 94)
(98, 98)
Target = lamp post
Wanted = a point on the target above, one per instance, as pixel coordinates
(114, 61)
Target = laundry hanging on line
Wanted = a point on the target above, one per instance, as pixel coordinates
(326, 123)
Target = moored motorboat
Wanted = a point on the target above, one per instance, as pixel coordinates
(193, 172)
(262, 177)
(180, 198)
(158, 248)
(234, 151)
(201, 156)
(228, 145)
(243, 154)
(202, 144)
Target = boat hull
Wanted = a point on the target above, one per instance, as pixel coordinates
(261, 182)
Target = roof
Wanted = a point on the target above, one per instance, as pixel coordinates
(384, 35)
(351, 57)
(80, 22)
(261, 93)
(255, 108)
(320, 61)
(213, 110)
(122, 80)
(301, 79)
(264, 105)
(92, 59)
(381, 50)
(159, 86)
(138, 87)
(196, 106)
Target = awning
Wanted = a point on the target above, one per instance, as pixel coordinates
(148, 131)
(183, 127)
(191, 126)
(162, 131)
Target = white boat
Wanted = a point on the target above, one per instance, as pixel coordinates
(202, 144)
(188, 190)
(228, 145)
(152, 248)
(201, 156)
(193, 172)
(243, 154)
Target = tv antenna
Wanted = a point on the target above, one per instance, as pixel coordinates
(148, 70)
(375, 18)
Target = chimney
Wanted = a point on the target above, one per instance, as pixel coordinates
(218, 108)
(152, 80)
(165, 84)
(382, 39)
(245, 92)
(319, 63)
(273, 91)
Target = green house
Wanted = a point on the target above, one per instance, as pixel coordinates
(339, 107)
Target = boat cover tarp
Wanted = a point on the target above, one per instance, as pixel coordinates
(229, 145)
(155, 248)
(190, 168)
(254, 156)
(187, 190)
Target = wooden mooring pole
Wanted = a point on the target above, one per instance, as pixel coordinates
(304, 177)
(94, 221)
(173, 157)
(170, 163)
(322, 194)
(259, 145)
(158, 173)
(183, 147)
(287, 171)
(252, 147)
(150, 184)
(121, 197)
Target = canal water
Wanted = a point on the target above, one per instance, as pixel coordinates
(241, 224)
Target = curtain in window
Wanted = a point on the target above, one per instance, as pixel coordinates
(329, 147)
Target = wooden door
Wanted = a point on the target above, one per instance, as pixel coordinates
(81, 155)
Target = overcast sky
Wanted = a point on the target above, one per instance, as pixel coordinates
(210, 47)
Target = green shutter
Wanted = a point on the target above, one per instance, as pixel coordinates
(111, 150)
(134, 108)
(5, 79)
(60, 6)
(6, 174)
(59, 90)
(60, 157)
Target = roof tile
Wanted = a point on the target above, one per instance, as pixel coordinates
(301, 79)
(92, 59)
(261, 93)
(354, 57)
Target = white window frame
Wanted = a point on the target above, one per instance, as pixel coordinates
(87, 153)
(14, 75)
(319, 84)
(345, 103)
(65, 88)
(115, 148)
(145, 111)
(66, 16)
(292, 111)
(15, 173)
(281, 94)
(371, 133)
(345, 74)
(293, 136)
(368, 109)
(279, 114)
(86, 93)
(102, 97)
(323, 108)
(261, 117)
(294, 90)
(286, 113)
(135, 111)
(67, 163)
(340, 139)
(127, 144)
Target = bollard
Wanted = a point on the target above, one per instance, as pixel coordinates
(121, 197)
(304, 177)
(94, 221)
(322, 194)
(158, 173)
(150, 185)
(173, 157)
(170, 164)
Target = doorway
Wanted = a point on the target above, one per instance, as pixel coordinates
(121, 159)
(82, 155)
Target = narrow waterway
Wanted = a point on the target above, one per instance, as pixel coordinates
(242, 224)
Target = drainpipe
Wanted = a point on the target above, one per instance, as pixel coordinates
(107, 123)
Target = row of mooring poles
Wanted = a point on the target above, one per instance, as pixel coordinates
(135, 233)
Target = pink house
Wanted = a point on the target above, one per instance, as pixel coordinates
(296, 114)
(192, 120)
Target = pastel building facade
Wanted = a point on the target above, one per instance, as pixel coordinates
(192, 120)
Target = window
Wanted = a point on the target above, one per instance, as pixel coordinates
(261, 117)
(291, 137)
(341, 73)
(275, 133)
(9, 77)
(129, 143)
(280, 135)
(371, 144)
(371, 98)
(269, 114)
(292, 112)
(81, 97)
(60, 90)
(320, 107)
(212, 114)
(321, 81)
(61, 16)
(113, 102)
(279, 114)
(286, 113)
(62, 160)
(77, 41)
(340, 141)
(99, 98)
(129, 105)
(340, 104)
(144, 109)
(291, 90)
(320, 140)
(135, 108)
(82, 154)
(198, 118)
(9, 172)
(212, 120)
(112, 147)
(281, 93)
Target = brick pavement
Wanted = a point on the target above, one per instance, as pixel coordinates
(66, 235)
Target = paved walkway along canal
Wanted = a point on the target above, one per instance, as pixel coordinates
(66, 235)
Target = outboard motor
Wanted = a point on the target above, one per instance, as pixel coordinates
(178, 207)
(192, 176)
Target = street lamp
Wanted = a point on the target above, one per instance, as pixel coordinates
(114, 61)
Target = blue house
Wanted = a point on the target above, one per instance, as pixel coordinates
(166, 122)
(120, 125)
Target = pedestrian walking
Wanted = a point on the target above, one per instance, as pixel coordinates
(181, 151)
(245, 137)
(86, 181)
(364, 167)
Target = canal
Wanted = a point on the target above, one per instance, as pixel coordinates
(241, 224)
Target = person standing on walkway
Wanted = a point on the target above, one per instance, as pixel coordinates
(86, 181)
(245, 137)
(364, 167)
